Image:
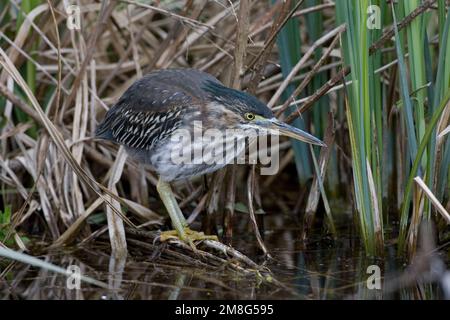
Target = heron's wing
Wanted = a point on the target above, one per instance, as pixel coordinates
(153, 107)
(139, 129)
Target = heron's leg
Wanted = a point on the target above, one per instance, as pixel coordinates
(178, 220)
(174, 203)
(180, 214)
(166, 194)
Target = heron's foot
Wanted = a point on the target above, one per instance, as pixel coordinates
(189, 235)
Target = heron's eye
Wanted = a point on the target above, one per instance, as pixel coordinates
(249, 116)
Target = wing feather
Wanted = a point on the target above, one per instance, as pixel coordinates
(153, 107)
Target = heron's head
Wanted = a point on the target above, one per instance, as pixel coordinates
(247, 112)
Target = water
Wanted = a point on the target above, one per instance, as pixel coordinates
(323, 269)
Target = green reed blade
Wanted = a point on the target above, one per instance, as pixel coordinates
(364, 117)
(415, 169)
(289, 46)
(407, 105)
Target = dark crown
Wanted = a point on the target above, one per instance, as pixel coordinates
(238, 101)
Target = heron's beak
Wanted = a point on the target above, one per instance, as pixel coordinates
(284, 129)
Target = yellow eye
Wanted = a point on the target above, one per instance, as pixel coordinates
(249, 116)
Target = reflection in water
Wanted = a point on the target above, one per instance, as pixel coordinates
(324, 269)
(115, 275)
(180, 280)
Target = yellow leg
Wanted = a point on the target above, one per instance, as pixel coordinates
(165, 192)
(179, 213)
(178, 221)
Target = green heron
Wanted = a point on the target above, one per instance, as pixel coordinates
(164, 103)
